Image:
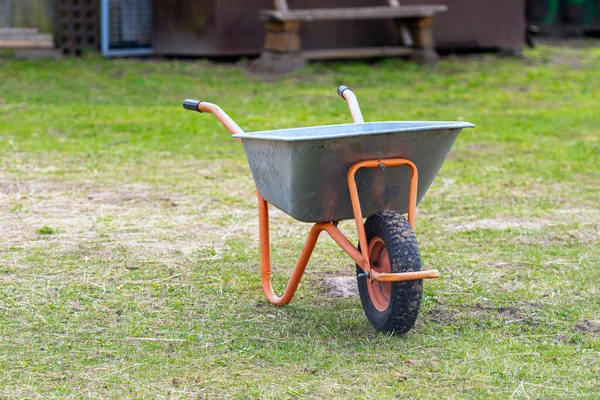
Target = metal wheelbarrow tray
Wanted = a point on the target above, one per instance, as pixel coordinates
(326, 174)
(303, 171)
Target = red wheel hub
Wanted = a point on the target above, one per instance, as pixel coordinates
(379, 292)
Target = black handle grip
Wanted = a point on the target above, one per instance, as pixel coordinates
(342, 89)
(192, 105)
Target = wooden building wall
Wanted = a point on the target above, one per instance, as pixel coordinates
(28, 14)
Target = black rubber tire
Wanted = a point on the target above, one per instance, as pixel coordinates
(403, 251)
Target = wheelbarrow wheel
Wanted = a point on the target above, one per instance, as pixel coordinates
(391, 306)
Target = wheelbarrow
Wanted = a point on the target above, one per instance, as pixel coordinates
(326, 174)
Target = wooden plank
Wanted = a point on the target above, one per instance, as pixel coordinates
(321, 14)
(17, 31)
(356, 52)
(26, 44)
(34, 38)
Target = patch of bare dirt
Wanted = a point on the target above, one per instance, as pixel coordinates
(502, 224)
(585, 236)
(341, 287)
(508, 313)
(129, 224)
(513, 314)
(441, 316)
(588, 326)
(134, 221)
(116, 197)
(583, 216)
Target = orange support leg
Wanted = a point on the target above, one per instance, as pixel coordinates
(309, 245)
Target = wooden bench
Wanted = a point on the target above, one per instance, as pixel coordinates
(283, 49)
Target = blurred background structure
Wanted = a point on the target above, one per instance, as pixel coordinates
(217, 28)
(561, 18)
(26, 27)
(227, 27)
(127, 27)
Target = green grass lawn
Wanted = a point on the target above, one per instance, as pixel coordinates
(129, 251)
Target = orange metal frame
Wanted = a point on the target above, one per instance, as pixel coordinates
(360, 257)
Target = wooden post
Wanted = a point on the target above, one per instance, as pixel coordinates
(421, 30)
(282, 50)
(281, 5)
(403, 33)
(282, 36)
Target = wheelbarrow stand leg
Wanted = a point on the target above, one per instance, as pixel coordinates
(309, 245)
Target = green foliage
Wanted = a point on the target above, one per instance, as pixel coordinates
(46, 230)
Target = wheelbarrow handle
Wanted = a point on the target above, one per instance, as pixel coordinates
(347, 94)
(204, 106)
(342, 89)
(192, 105)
